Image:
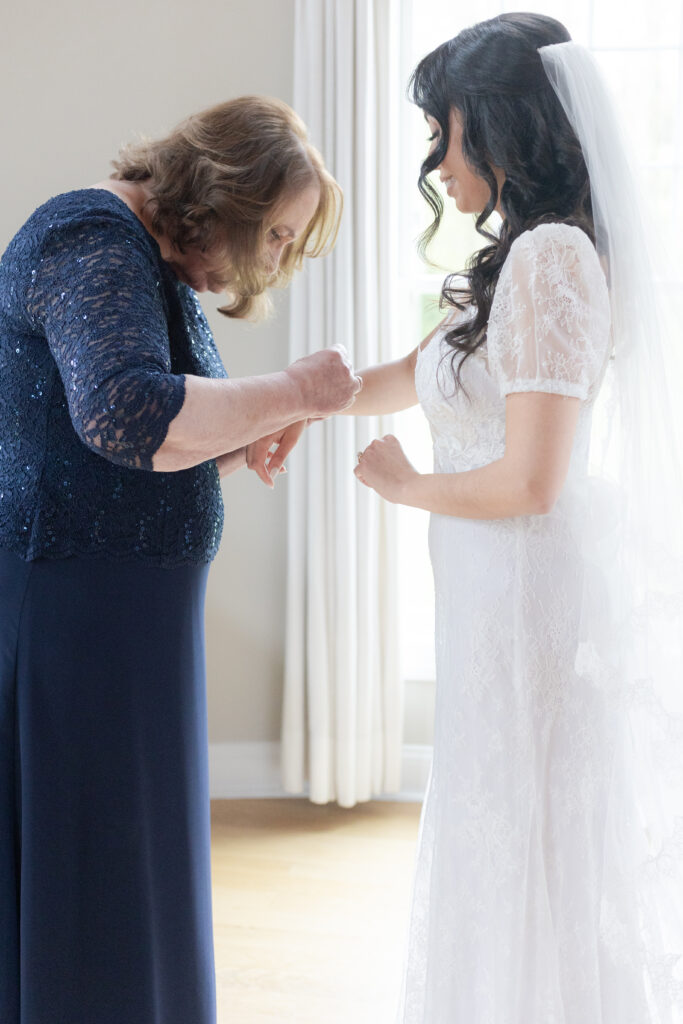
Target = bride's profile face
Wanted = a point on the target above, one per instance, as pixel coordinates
(468, 189)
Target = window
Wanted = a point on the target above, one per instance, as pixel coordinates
(640, 55)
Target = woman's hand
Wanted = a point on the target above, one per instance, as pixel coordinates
(268, 464)
(384, 467)
(326, 381)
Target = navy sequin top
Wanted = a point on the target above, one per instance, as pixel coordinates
(96, 336)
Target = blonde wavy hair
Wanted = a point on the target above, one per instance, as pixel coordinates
(218, 179)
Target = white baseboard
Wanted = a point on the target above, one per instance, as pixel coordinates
(240, 771)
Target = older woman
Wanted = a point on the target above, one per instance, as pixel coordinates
(116, 418)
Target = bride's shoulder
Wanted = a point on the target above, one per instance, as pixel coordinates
(552, 237)
(551, 247)
(552, 233)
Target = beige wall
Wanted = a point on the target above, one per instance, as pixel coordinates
(79, 77)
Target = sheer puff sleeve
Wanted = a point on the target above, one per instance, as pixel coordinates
(96, 296)
(549, 325)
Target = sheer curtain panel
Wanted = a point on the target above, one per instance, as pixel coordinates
(343, 707)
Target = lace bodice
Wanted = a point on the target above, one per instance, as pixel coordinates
(548, 331)
(96, 336)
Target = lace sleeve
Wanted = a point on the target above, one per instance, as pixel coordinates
(549, 322)
(96, 295)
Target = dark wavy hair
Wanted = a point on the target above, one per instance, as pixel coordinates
(493, 76)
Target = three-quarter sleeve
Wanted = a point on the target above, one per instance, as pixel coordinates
(96, 294)
(549, 322)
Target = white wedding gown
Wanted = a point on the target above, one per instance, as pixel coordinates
(514, 919)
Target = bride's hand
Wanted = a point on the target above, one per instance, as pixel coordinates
(384, 467)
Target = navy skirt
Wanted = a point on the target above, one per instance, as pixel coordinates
(105, 874)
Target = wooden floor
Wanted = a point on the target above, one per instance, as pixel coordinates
(310, 910)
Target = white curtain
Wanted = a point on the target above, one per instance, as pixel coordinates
(343, 701)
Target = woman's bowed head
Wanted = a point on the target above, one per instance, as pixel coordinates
(236, 196)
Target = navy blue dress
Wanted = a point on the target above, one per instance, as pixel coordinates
(105, 879)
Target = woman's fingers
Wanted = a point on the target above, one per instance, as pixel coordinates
(257, 453)
(267, 455)
(288, 441)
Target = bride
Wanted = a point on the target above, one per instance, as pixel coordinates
(527, 906)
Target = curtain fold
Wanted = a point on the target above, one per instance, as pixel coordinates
(343, 700)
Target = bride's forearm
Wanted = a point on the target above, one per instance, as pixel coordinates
(493, 491)
(387, 388)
